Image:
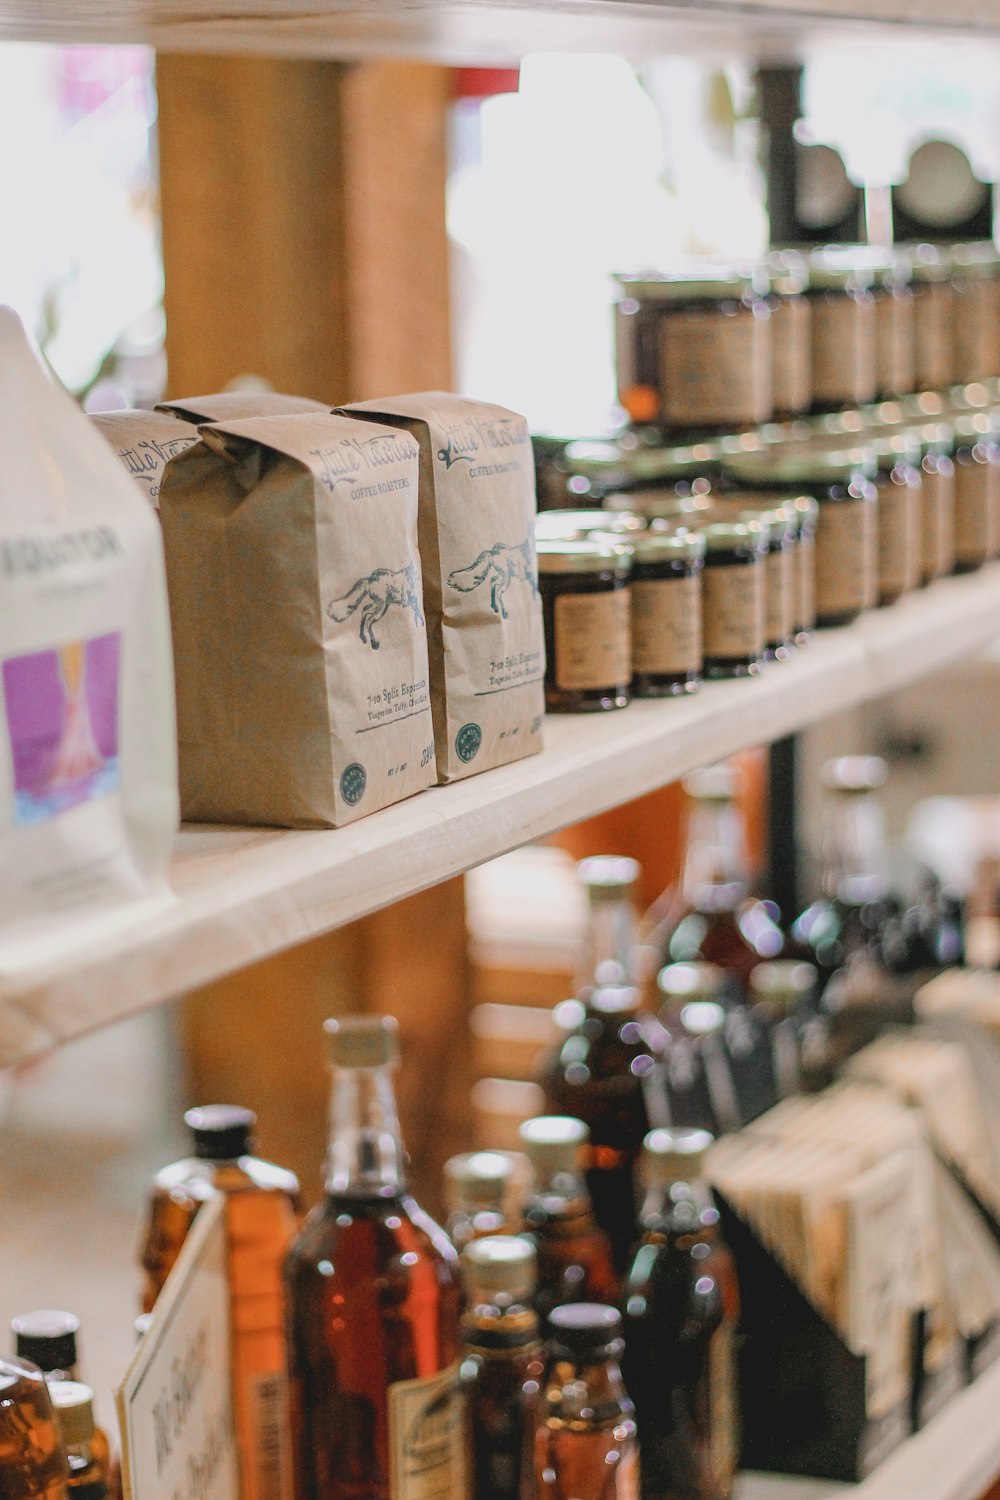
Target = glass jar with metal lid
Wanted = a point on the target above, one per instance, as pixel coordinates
(895, 334)
(779, 521)
(639, 472)
(977, 489)
(693, 351)
(933, 316)
(844, 369)
(733, 600)
(665, 590)
(976, 282)
(585, 604)
(842, 480)
(791, 334)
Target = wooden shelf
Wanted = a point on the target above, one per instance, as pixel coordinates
(955, 1457)
(464, 31)
(244, 894)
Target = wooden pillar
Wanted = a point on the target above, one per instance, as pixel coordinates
(304, 242)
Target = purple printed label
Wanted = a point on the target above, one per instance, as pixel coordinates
(62, 720)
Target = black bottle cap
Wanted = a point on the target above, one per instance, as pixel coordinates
(585, 1328)
(222, 1132)
(47, 1338)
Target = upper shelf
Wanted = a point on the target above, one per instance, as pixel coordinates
(246, 893)
(468, 31)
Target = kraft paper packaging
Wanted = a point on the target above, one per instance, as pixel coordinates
(144, 443)
(88, 777)
(299, 639)
(477, 547)
(237, 406)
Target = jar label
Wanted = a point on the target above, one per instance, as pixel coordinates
(843, 349)
(733, 612)
(900, 512)
(791, 323)
(939, 523)
(972, 512)
(593, 645)
(779, 592)
(715, 368)
(933, 316)
(805, 558)
(894, 342)
(976, 337)
(846, 557)
(666, 625)
(426, 1438)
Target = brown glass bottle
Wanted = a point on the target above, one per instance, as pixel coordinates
(585, 1441)
(681, 1314)
(47, 1338)
(575, 1260)
(33, 1464)
(262, 1203)
(477, 1185)
(74, 1408)
(502, 1367)
(374, 1304)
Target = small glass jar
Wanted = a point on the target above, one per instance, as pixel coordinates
(976, 283)
(933, 317)
(807, 520)
(733, 601)
(895, 333)
(780, 523)
(666, 595)
(844, 367)
(841, 479)
(693, 353)
(791, 335)
(900, 513)
(977, 490)
(585, 604)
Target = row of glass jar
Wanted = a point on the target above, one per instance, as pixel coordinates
(719, 348)
(713, 574)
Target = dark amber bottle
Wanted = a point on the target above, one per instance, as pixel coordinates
(681, 1314)
(33, 1464)
(502, 1367)
(575, 1262)
(585, 1442)
(373, 1305)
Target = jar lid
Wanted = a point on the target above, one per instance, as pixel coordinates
(891, 268)
(553, 1142)
(613, 463)
(976, 427)
(929, 262)
(74, 1405)
(788, 271)
(845, 268)
(701, 282)
(47, 1337)
(900, 446)
(584, 1328)
(933, 437)
(480, 1176)
(660, 505)
(722, 536)
(221, 1132)
(714, 783)
(557, 555)
(773, 512)
(570, 525)
(974, 259)
(607, 877)
(501, 1263)
(854, 773)
(675, 1155)
(365, 1041)
(816, 460)
(662, 545)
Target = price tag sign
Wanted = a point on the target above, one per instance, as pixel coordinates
(174, 1404)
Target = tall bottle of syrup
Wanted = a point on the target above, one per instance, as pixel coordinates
(585, 1441)
(575, 1262)
(33, 1463)
(374, 1304)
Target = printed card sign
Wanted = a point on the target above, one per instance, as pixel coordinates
(174, 1405)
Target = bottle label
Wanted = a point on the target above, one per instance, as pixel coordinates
(846, 557)
(843, 349)
(933, 312)
(593, 647)
(972, 512)
(894, 341)
(715, 368)
(939, 523)
(779, 580)
(270, 1454)
(666, 625)
(426, 1448)
(734, 612)
(805, 557)
(791, 321)
(900, 510)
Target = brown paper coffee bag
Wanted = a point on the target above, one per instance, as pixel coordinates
(237, 406)
(299, 639)
(145, 442)
(477, 549)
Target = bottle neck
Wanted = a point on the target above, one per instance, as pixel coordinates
(716, 870)
(365, 1157)
(677, 1201)
(498, 1325)
(610, 944)
(589, 1386)
(855, 858)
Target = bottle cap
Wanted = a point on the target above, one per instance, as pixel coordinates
(363, 1041)
(479, 1177)
(584, 1327)
(501, 1263)
(47, 1338)
(607, 877)
(694, 981)
(676, 1155)
(74, 1404)
(854, 773)
(222, 1132)
(782, 983)
(553, 1143)
(712, 783)
(703, 1017)
(615, 999)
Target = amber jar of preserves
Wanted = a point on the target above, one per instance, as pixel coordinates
(791, 334)
(975, 280)
(665, 590)
(933, 316)
(977, 489)
(585, 602)
(733, 598)
(841, 479)
(693, 352)
(895, 327)
(844, 367)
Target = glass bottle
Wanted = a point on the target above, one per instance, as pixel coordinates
(575, 1261)
(721, 922)
(374, 1304)
(477, 1186)
(681, 1315)
(585, 1441)
(783, 994)
(609, 882)
(33, 1464)
(47, 1338)
(503, 1366)
(74, 1408)
(696, 1002)
(262, 1204)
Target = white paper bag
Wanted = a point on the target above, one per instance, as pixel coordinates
(88, 775)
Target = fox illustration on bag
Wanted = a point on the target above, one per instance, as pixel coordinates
(374, 595)
(501, 564)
